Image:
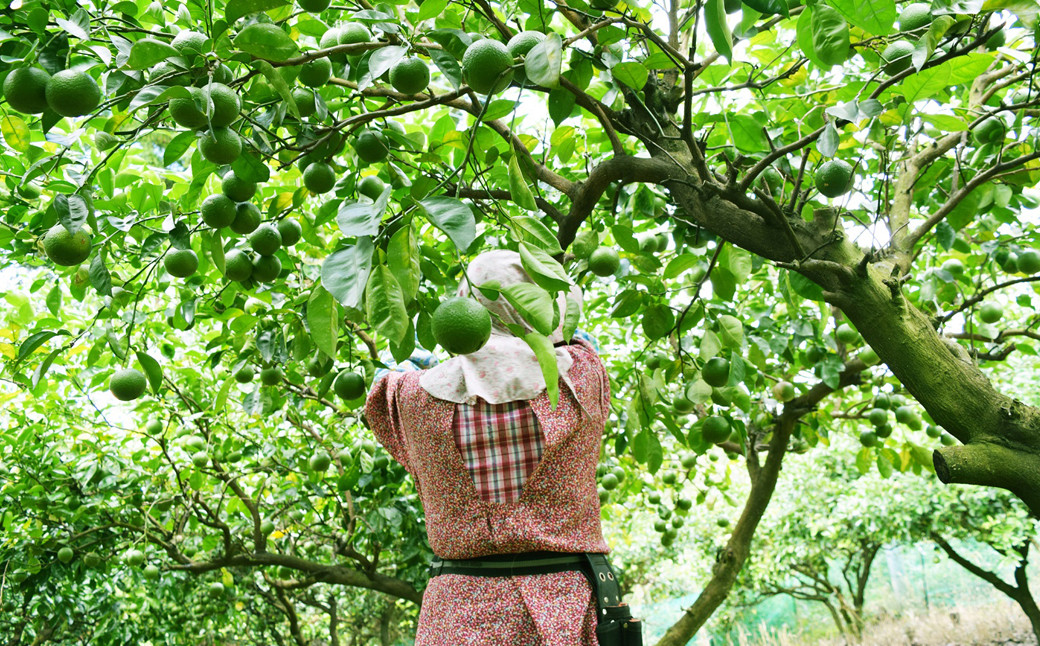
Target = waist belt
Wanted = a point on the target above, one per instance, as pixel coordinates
(615, 626)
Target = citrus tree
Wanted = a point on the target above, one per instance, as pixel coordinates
(230, 214)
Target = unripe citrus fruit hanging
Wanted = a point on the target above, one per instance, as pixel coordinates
(266, 269)
(247, 218)
(371, 147)
(461, 325)
(181, 263)
(245, 374)
(897, 57)
(319, 177)
(290, 230)
(25, 89)
(271, 376)
(314, 6)
(316, 73)
(319, 462)
(134, 558)
(127, 384)
(604, 261)
(236, 188)
(783, 391)
(189, 43)
(371, 187)
(349, 385)
(221, 104)
(72, 93)
(715, 429)
(304, 100)
(715, 372)
(237, 266)
(186, 111)
(354, 32)
(220, 146)
(410, 75)
(834, 178)
(846, 334)
(265, 240)
(914, 16)
(519, 46)
(487, 66)
(64, 248)
(989, 131)
(990, 312)
(217, 211)
(1029, 262)
(65, 554)
(868, 438)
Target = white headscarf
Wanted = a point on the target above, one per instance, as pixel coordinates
(505, 369)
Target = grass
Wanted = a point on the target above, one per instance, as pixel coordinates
(997, 624)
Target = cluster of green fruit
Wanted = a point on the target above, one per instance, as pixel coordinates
(669, 521)
(69, 93)
(878, 416)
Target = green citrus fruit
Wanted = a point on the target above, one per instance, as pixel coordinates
(715, 372)
(290, 230)
(216, 589)
(846, 334)
(151, 572)
(319, 365)
(134, 558)
(329, 39)
(715, 429)
(354, 32)
(221, 103)
(609, 482)
(904, 414)
(66, 554)
(371, 187)
(349, 385)
(885, 430)
(783, 391)
(868, 438)
(236, 188)
(947, 439)
(266, 269)
(933, 431)
(221, 74)
(162, 72)
(265, 240)
(320, 462)
(868, 356)
(190, 43)
(220, 145)
(487, 66)
(461, 325)
(584, 244)
(989, 131)
(371, 147)
(181, 263)
(127, 384)
(914, 16)
(92, 560)
(878, 416)
(271, 376)
(681, 404)
(153, 427)
(521, 44)
(1029, 262)
(25, 89)
(990, 312)
(217, 211)
(71, 93)
(247, 218)
(410, 75)
(834, 178)
(237, 266)
(186, 112)
(245, 374)
(200, 459)
(604, 261)
(304, 100)
(316, 73)
(314, 6)
(897, 57)
(954, 266)
(64, 248)
(319, 178)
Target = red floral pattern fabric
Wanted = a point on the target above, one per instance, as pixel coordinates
(556, 510)
(501, 445)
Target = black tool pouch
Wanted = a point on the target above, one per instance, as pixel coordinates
(616, 627)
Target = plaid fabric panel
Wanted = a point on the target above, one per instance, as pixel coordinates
(501, 445)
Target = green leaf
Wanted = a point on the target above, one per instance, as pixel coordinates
(804, 36)
(925, 46)
(768, 7)
(152, 370)
(16, 133)
(863, 460)
(926, 84)
(884, 467)
(805, 287)
(430, 9)
(923, 457)
(384, 58)
(384, 305)
(532, 230)
(747, 132)
(266, 41)
(646, 448)
(148, 52)
(1026, 10)
(323, 320)
(518, 188)
(278, 82)
(345, 272)
(236, 9)
(177, 146)
(828, 142)
(627, 303)
(543, 63)
(448, 66)
(362, 218)
(830, 35)
(35, 341)
(453, 217)
(100, 278)
(731, 331)
(534, 304)
(403, 258)
(571, 319)
(658, 320)
(718, 28)
(681, 263)
(872, 16)
(710, 345)
(546, 355)
(631, 73)
(543, 269)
